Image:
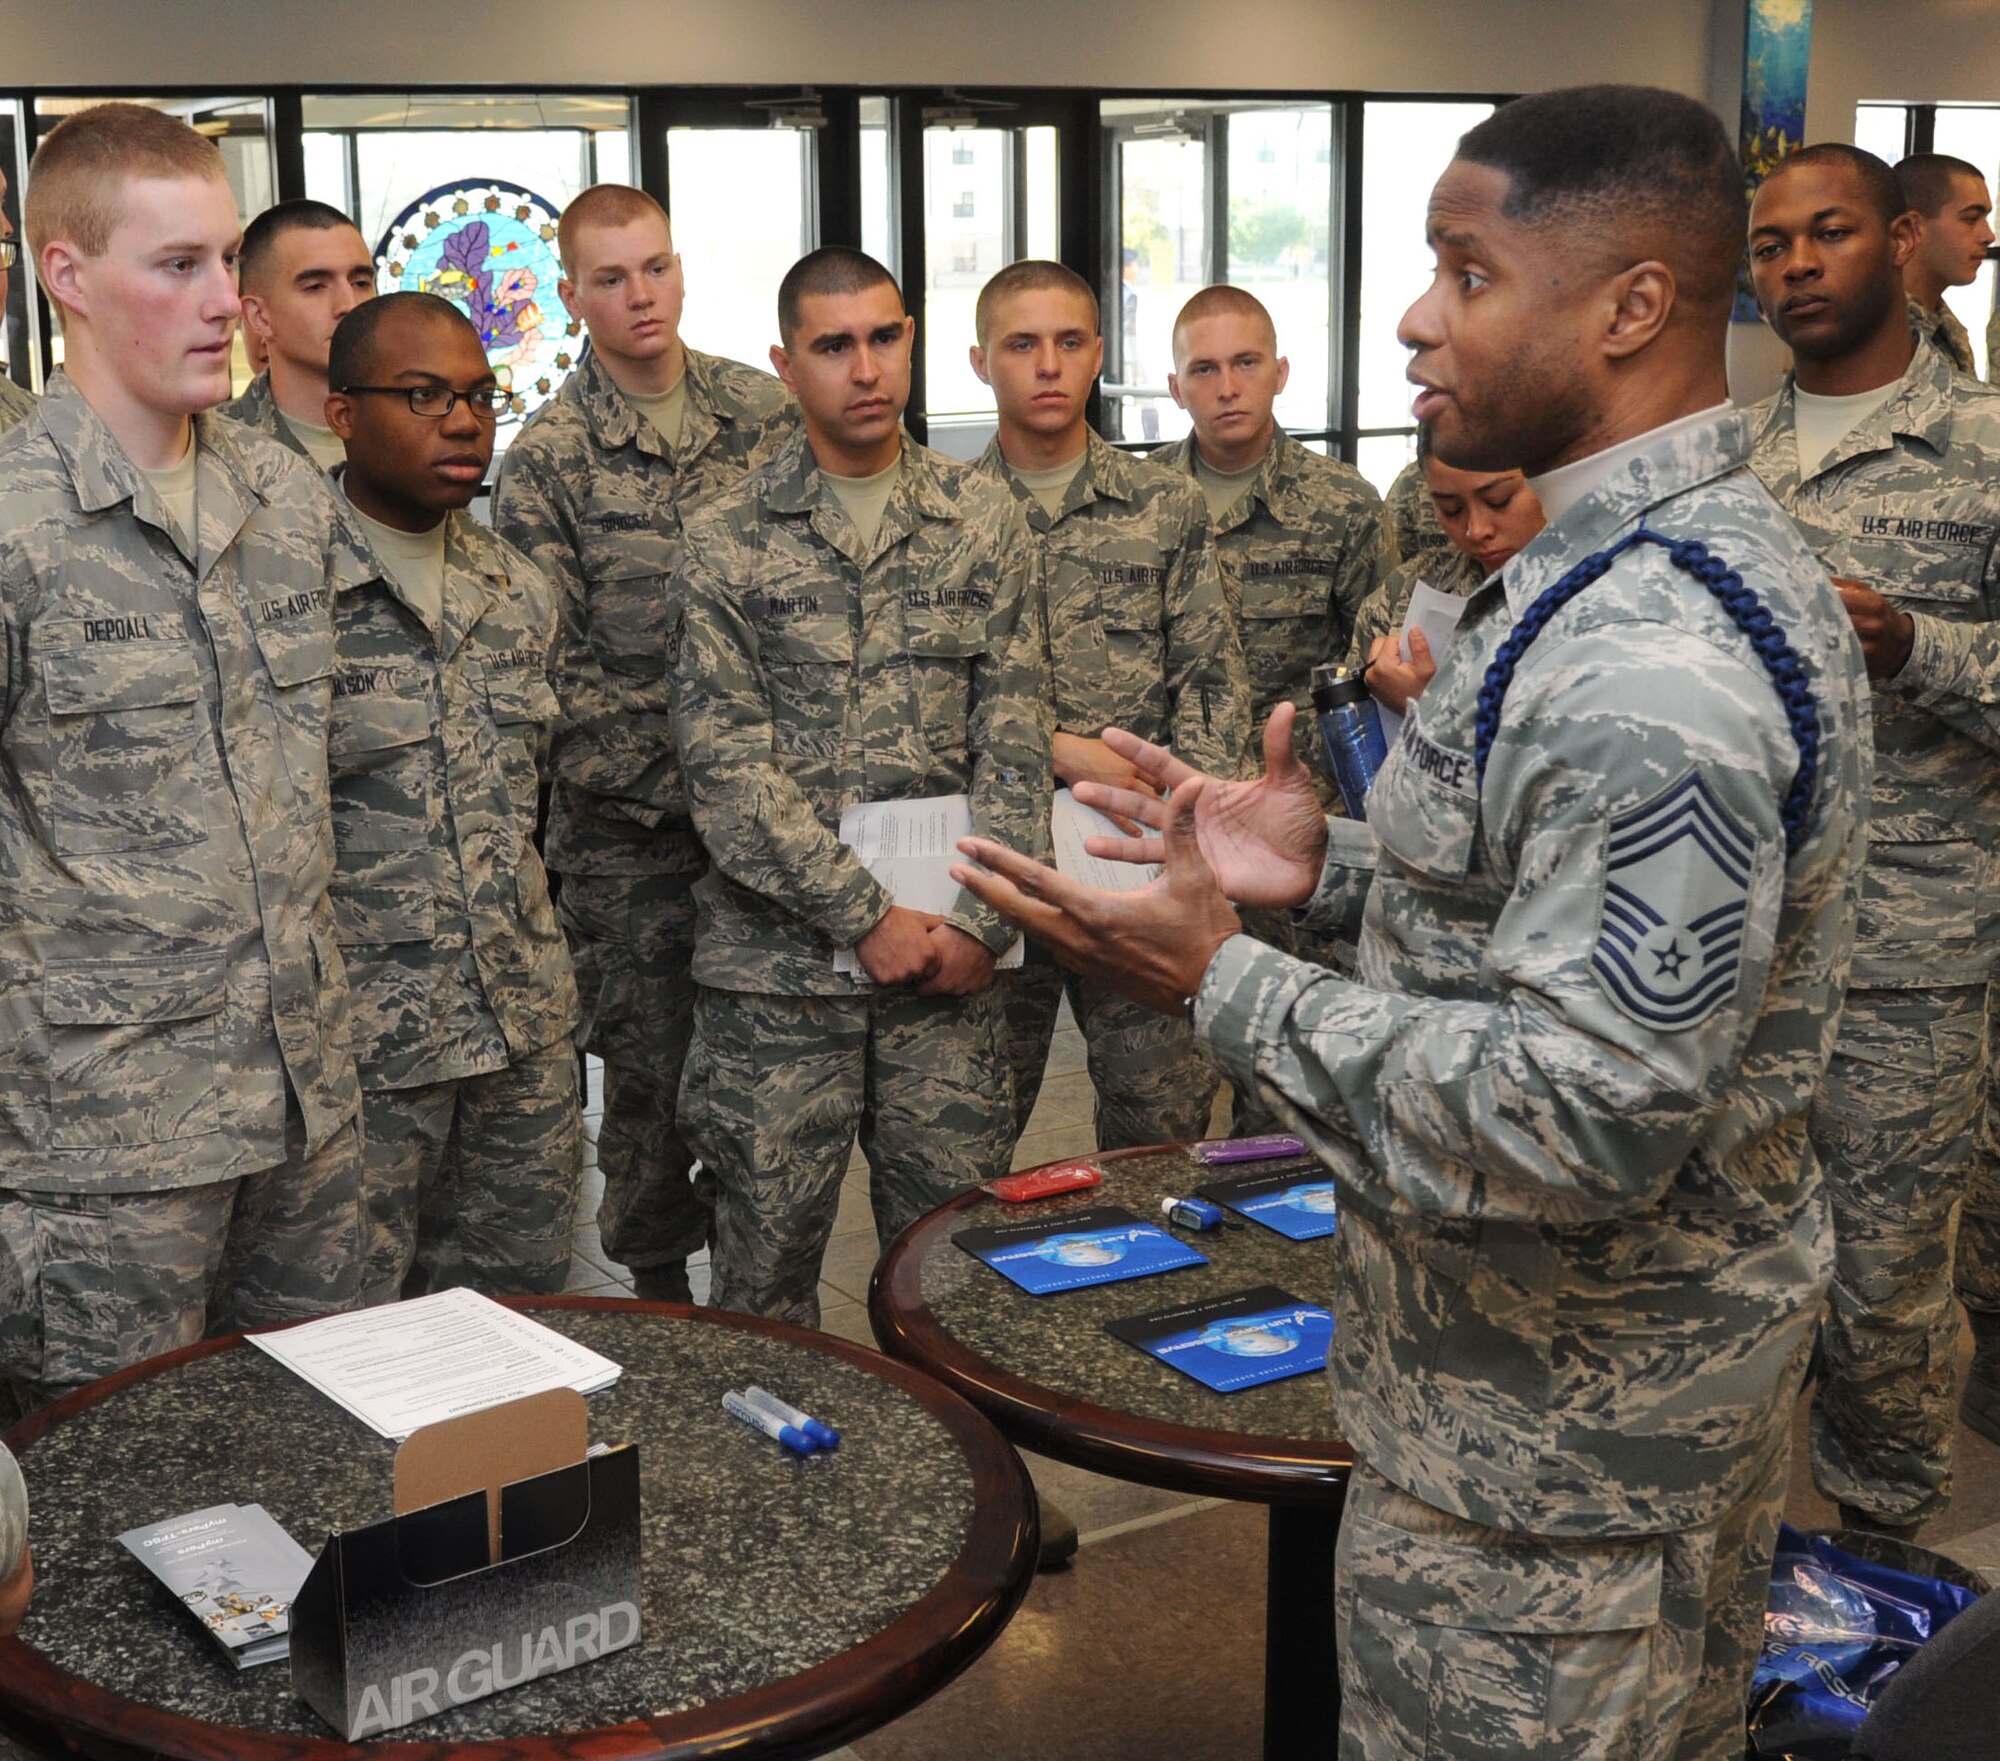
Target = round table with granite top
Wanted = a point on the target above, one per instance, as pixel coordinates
(789, 1604)
(1047, 1373)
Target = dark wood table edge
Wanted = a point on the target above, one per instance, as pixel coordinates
(1178, 1458)
(837, 1700)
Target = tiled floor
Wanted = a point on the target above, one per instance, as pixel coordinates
(1153, 1641)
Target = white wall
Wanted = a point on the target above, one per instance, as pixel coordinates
(1382, 45)
(1916, 51)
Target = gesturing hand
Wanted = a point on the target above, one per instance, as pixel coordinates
(1152, 945)
(1264, 842)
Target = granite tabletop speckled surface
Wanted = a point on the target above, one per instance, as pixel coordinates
(757, 1565)
(1058, 1342)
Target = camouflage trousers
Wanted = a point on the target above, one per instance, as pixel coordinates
(474, 1181)
(1153, 1083)
(92, 1282)
(1468, 1642)
(777, 1090)
(1893, 1123)
(1976, 1271)
(632, 940)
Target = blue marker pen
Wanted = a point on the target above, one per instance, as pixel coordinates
(775, 1428)
(824, 1436)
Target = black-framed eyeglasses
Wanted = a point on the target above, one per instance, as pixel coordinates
(10, 253)
(438, 401)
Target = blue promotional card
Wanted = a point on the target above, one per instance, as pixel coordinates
(1296, 1201)
(1100, 1245)
(1231, 1342)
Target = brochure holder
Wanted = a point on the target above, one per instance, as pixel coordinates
(449, 1601)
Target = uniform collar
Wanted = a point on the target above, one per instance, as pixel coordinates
(614, 422)
(103, 475)
(1678, 463)
(1105, 472)
(475, 574)
(258, 408)
(1921, 409)
(795, 484)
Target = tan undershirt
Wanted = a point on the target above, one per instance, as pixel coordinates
(864, 498)
(666, 410)
(1222, 489)
(413, 560)
(1050, 486)
(175, 486)
(325, 448)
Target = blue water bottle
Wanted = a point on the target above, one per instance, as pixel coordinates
(1350, 732)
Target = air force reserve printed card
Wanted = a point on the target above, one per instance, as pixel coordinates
(1231, 1342)
(1297, 1200)
(1100, 1245)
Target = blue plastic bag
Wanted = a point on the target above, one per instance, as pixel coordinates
(1836, 1628)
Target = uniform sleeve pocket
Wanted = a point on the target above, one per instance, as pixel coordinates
(132, 1054)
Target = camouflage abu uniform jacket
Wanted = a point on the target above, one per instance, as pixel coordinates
(597, 499)
(1300, 553)
(1910, 504)
(454, 959)
(167, 961)
(1583, 1229)
(258, 409)
(1140, 635)
(1942, 330)
(16, 403)
(811, 674)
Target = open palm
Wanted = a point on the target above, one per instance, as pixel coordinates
(1265, 840)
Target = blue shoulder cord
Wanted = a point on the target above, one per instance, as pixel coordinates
(1751, 616)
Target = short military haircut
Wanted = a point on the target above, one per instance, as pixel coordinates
(1641, 171)
(351, 356)
(1929, 180)
(77, 176)
(832, 269)
(263, 233)
(1880, 185)
(1219, 301)
(1029, 275)
(603, 204)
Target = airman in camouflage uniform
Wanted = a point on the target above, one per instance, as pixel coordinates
(1907, 505)
(812, 673)
(1300, 550)
(16, 403)
(1140, 637)
(1949, 213)
(816, 667)
(1607, 882)
(597, 497)
(462, 992)
(175, 1049)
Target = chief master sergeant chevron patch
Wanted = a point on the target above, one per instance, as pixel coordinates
(1676, 888)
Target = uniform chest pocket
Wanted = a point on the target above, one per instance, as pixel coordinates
(809, 672)
(1424, 806)
(1296, 590)
(943, 654)
(520, 695)
(1925, 571)
(629, 612)
(128, 753)
(381, 757)
(298, 653)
